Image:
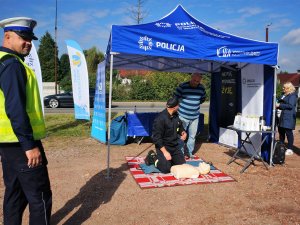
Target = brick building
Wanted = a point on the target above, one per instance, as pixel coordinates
(294, 78)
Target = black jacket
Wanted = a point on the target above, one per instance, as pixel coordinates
(166, 130)
(288, 111)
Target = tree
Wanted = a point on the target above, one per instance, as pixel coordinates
(64, 66)
(137, 12)
(93, 57)
(46, 53)
(141, 89)
(165, 83)
(283, 72)
(278, 89)
(206, 79)
(65, 73)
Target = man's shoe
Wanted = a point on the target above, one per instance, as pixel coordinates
(193, 156)
(151, 158)
(187, 156)
(289, 152)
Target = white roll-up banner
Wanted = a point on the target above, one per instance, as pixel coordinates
(80, 81)
(32, 60)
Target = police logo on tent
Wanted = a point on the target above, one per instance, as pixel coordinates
(145, 43)
(223, 52)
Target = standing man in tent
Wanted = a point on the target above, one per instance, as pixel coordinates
(22, 126)
(192, 94)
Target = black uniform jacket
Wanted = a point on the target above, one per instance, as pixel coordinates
(166, 130)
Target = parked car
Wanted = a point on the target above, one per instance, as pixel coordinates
(66, 100)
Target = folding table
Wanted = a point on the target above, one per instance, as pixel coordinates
(255, 154)
(140, 124)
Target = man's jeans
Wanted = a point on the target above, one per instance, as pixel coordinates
(191, 127)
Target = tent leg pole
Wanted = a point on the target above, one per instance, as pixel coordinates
(211, 72)
(273, 117)
(109, 113)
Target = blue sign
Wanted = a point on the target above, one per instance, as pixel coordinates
(99, 117)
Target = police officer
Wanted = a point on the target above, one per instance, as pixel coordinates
(167, 133)
(22, 127)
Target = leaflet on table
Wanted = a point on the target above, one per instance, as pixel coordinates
(247, 122)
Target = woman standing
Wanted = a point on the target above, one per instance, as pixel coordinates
(287, 118)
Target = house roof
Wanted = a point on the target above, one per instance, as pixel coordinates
(294, 78)
(129, 73)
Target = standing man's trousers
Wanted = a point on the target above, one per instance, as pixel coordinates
(24, 185)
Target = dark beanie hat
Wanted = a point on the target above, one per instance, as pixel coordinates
(172, 102)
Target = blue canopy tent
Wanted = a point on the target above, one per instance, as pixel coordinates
(179, 42)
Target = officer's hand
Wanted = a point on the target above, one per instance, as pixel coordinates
(183, 135)
(34, 157)
(167, 155)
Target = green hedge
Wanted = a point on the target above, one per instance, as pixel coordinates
(155, 86)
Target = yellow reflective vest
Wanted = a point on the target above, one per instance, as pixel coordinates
(33, 108)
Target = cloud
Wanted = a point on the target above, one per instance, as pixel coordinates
(250, 11)
(86, 22)
(289, 61)
(285, 61)
(120, 10)
(237, 23)
(278, 25)
(99, 39)
(289, 64)
(292, 37)
(76, 19)
(101, 13)
(229, 25)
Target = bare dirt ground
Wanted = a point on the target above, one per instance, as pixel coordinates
(83, 195)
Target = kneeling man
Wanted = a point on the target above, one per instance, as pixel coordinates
(166, 134)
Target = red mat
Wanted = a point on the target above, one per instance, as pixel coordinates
(155, 180)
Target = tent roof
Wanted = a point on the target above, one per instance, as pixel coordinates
(179, 42)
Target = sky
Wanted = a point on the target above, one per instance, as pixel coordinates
(88, 22)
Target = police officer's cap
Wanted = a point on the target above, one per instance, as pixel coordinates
(172, 102)
(23, 26)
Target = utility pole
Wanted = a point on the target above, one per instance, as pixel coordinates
(267, 32)
(55, 49)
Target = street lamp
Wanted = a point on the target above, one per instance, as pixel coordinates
(55, 50)
(267, 32)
